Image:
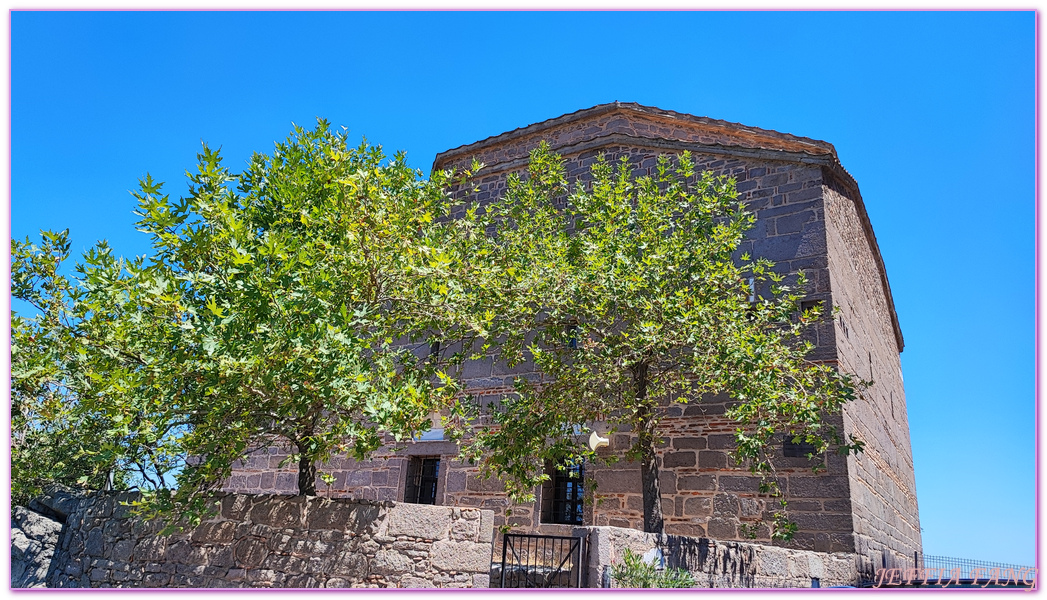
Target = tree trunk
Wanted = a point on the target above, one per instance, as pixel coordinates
(652, 496)
(306, 474)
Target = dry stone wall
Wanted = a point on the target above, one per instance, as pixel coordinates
(277, 541)
(716, 564)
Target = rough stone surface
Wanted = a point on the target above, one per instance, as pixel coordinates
(715, 564)
(57, 502)
(33, 541)
(260, 541)
(473, 557)
(419, 520)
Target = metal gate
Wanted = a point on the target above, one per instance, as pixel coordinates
(541, 561)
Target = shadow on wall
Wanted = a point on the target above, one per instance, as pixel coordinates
(268, 541)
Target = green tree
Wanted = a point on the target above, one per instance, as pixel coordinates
(627, 294)
(291, 304)
(40, 454)
(58, 357)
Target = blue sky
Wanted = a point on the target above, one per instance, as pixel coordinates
(932, 112)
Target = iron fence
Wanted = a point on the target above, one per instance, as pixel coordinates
(541, 561)
(969, 569)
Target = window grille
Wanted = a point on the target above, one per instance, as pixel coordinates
(422, 473)
(568, 494)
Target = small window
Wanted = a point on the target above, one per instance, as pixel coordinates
(563, 501)
(797, 449)
(572, 337)
(807, 305)
(422, 473)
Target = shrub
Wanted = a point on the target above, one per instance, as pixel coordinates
(634, 572)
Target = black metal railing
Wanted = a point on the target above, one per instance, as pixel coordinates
(422, 475)
(568, 495)
(541, 561)
(969, 569)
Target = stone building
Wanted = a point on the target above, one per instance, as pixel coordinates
(810, 216)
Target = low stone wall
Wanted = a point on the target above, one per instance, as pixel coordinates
(277, 541)
(716, 564)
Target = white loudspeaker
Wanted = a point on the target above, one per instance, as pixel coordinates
(595, 441)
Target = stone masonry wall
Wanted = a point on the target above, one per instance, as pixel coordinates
(883, 486)
(703, 493)
(790, 183)
(277, 541)
(716, 564)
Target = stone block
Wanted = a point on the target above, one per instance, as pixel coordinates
(236, 574)
(419, 521)
(455, 482)
(772, 562)
(278, 542)
(95, 544)
(301, 580)
(721, 441)
(696, 530)
(326, 514)
(284, 564)
(359, 478)
(415, 582)
(792, 223)
(262, 576)
(689, 443)
(501, 368)
(250, 552)
(712, 459)
(390, 562)
(223, 556)
(57, 502)
(617, 481)
(221, 532)
(678, 459)
(843, 506)
(745, 484)
(474, 369)
(178, 552)
(818, 487)
(352, 567)
(803, 195)
(726, 505)
(486, 535)
(722, 529)
(337, 582)
(697, 507)
(460, 556)
(156, 579)
(475, 483)
(98, 575)
(750, 507)
(123, 550)
(465, 529)
(822, 522)
(363, 518)
(281, 512)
